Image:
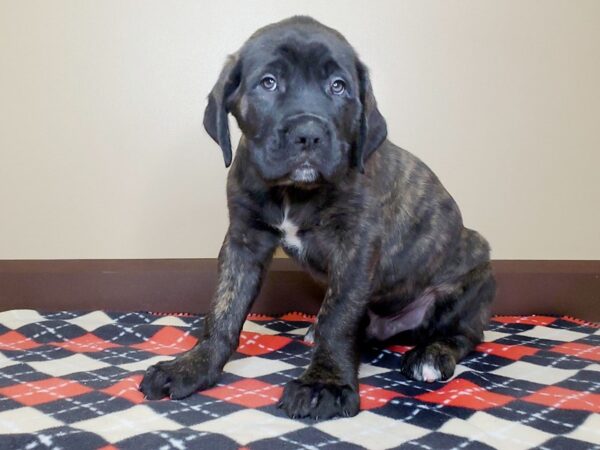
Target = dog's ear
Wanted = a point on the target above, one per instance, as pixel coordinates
(215, 114)
(373, 129)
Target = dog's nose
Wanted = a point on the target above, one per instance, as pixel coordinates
(306, 135)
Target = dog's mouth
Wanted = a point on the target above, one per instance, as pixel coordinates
(305, 173)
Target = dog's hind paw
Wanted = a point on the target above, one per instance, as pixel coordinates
(428, 363)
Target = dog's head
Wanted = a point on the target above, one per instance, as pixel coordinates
(303, 102)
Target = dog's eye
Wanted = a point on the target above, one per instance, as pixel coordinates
(269, 83)
(338, 87)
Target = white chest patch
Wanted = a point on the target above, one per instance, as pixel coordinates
(290, 232)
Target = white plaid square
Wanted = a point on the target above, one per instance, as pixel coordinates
(25, 420)
(249, 425)
(495, 432)
(255, 366)
(522, 370)
(372, 431)
(553, 334)
(126, 423)
(71, 364)
(91, 321)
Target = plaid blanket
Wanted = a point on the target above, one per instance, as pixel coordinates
(69, 380)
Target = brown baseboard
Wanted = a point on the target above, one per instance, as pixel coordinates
(186, 285)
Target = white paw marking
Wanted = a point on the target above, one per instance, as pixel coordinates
(309, 337)
(429, 373)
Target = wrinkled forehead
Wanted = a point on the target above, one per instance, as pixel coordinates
(297, 49)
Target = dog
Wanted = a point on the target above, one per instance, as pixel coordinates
(315, 174)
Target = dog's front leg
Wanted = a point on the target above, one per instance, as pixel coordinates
(243, 260)
(329, 386)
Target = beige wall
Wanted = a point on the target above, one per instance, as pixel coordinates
(103, 155)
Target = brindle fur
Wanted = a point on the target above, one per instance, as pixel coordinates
(382, 233)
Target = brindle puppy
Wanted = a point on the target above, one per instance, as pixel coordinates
(314, 172)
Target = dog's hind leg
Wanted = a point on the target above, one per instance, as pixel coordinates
(453, 328)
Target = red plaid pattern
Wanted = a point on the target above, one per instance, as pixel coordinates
(70, 380)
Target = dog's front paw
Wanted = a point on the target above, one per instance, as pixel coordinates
(428, 363)
(177, 378)
(319, 400)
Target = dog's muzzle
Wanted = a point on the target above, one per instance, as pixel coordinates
(305, 136)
